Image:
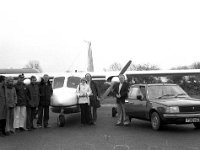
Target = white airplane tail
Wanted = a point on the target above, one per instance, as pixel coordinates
(90, 67)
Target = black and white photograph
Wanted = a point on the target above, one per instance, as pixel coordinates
(99, 75)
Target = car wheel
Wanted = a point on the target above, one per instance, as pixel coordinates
(155, 121)
(196, 125)
(61, 121)
(114, 112)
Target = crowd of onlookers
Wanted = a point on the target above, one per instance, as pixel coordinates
(19, 104)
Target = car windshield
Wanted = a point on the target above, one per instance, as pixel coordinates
(72, 82)
(165, 91)
(58, 82)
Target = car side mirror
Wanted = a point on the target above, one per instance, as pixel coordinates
(139, 97)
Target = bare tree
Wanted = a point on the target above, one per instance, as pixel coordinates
(114, 67)
(195, 65)
(34, 64)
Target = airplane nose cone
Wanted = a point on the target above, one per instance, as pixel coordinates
(64, 97)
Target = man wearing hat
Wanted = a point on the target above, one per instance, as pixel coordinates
(20, 109)
(11, 100)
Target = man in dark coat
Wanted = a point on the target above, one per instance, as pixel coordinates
(33, 97)
(2, 105)
(121, 92)
(93, 98)
(45, 94)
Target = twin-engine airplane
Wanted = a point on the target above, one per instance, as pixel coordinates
(64, 99)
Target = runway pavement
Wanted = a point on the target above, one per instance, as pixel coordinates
(103, 136)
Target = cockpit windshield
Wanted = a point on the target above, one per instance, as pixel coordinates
(73, 82)
(58, 82)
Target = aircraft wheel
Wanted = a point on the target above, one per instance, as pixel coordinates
(61, 121)
(130, 118)
(196, 125)
(155, 121)
(114, 112)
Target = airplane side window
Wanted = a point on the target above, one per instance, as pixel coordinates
(58, 82)
(73, 82)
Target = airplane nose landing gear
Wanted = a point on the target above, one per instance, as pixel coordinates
(61, 119)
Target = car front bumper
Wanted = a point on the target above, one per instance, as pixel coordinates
(178, 118)
(181, 115)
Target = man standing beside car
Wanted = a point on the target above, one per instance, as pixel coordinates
(120, 91)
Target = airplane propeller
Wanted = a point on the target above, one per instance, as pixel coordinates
(112, 83)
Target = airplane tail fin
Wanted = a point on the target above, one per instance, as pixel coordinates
(90, 67)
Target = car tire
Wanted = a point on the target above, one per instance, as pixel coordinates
(196, 125)
(61, 121)
(114, 112)
(155, 121)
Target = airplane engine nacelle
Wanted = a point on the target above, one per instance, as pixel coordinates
(64, 97)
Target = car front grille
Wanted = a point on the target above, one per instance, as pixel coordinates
(189, 108)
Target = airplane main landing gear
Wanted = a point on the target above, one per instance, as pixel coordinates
(61, 120)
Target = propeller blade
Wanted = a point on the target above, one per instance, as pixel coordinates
(125, 67)
(112, 84)
(109, 89)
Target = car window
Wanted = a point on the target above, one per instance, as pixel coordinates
(164, 91)
(133, 92)
(73, 82)
(143, 91)
(58, 82)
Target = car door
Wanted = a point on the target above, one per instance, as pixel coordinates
(136, 103)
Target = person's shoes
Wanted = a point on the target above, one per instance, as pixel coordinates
(47, 126)
(126, 123)
(22, 129)
(12, 132)
(17, 129)
(29, 129)
(33, 128)
(2, 135)
(119, 124)
(91, 123)
(39, 126)
(7, 133)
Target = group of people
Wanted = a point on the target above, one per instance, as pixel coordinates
(88, 97)
(19, 103)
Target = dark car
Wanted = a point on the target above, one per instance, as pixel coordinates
(162, 104)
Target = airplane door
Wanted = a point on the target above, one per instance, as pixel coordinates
(134, 106)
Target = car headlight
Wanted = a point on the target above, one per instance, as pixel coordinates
(174, 109)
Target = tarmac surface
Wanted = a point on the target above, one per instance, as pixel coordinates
(103, 136)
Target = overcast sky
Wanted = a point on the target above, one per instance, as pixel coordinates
(165, 33)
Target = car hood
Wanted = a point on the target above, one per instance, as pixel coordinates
(177, 101)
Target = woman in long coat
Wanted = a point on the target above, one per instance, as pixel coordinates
(83, 93)
(2, 105)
